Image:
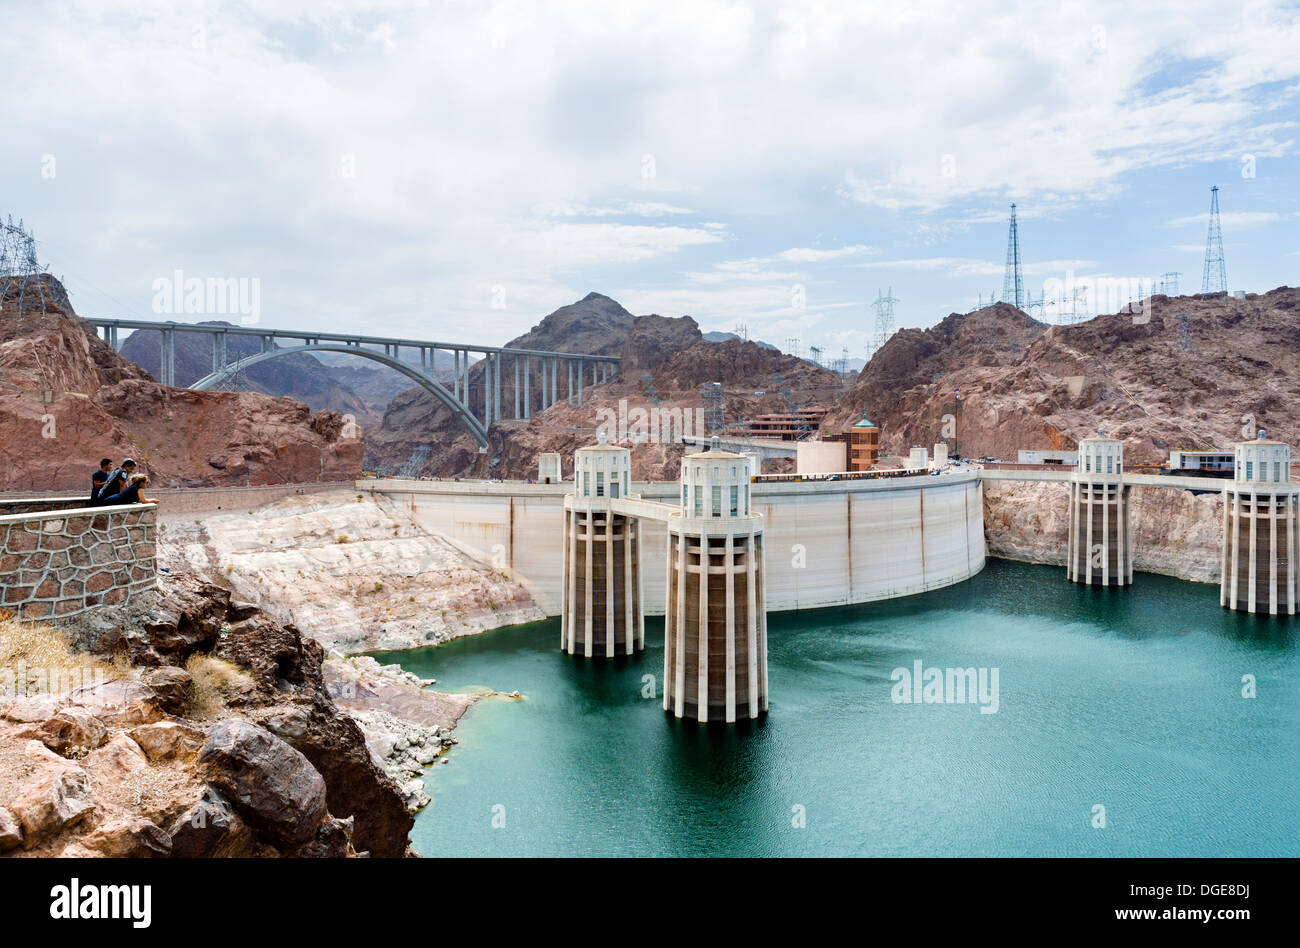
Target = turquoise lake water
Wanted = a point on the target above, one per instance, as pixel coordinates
(1127, 699)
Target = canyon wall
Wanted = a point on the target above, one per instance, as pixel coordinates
(1175, 532)
(358, 574)
(68, 399)
(1189, 372)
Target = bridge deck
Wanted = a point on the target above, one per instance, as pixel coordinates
(350, 339)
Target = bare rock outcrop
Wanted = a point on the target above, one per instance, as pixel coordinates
(269, 783)
(406, 725)
(358, 571)
(1175, 532)
(241, 753)
(1193, 372)
(68, 399)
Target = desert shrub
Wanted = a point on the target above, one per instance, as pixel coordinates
(41, 656)
(215, 681)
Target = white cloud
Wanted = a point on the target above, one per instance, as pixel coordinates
(539, 146)
(1228, 219)
(964, 266)
(818, 255)
(619, 208)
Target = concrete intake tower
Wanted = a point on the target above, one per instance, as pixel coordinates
(1101, 540)
(1260, 541)
(715, 623)
(602, 612)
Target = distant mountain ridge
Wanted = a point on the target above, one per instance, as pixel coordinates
(1191, 372)
(718, 336)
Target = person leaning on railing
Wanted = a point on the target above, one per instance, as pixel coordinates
(133, 493)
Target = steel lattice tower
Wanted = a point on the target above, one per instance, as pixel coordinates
(1013, 287)
(884, 318)
(20, 272)
(714, 419)
(1215, 279)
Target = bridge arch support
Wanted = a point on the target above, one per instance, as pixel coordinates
(458, 408)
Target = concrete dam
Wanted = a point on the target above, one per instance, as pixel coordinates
(827, 543)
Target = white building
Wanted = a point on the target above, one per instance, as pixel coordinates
(1036, 456)
(821, 457)
(548, 468)
(601, 611)
(602, 470)
(1101, 538)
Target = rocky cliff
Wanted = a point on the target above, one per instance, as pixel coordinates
(358, 572)
(67, 400)
(212, 733)
(1192, 372)
(299, 376)
(665, 361)
(1175, 532)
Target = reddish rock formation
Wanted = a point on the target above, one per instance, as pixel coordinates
(665, 362)
(150, 765)
(67, 400)
(1206, 380)
(299, 376)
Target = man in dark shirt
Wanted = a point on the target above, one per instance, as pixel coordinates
(117, 480)
(97, 480)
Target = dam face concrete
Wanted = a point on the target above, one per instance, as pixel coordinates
(826, 543)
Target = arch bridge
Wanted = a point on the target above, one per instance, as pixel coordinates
(476, 405)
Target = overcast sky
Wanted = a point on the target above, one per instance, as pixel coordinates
(456, 170)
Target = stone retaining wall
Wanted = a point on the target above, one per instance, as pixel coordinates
(59, 561)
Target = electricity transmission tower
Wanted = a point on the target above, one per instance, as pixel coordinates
(714, 420)
(415, 463)
(742, 330)
(1013, 287)
(20, 272)
(884, 318)
(1039, 304)
(792, 343)
(1169, 283)
(1215, 279)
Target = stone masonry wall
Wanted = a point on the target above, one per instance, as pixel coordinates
(57, 563)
